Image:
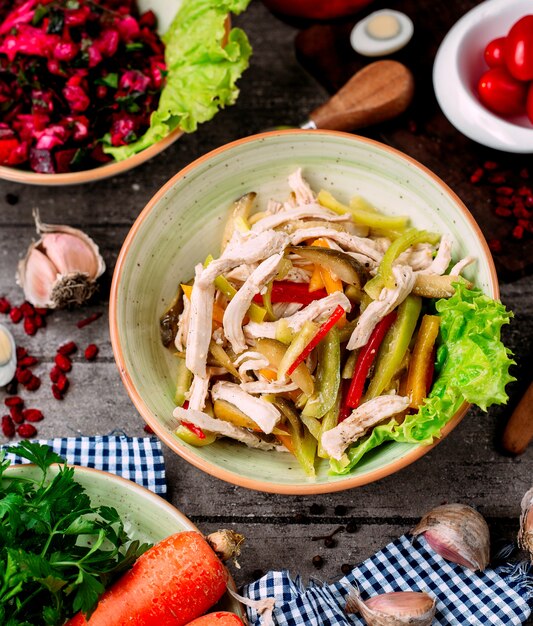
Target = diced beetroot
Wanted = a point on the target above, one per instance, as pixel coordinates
(20, 154)
(29, 41)
(80, 126)
(22, 15)
(98, 154)
(156, 72)
(95, 56)
(128, 28)
(133, 80)
(77, 17)
(63, 159)
(122, 131)
(55, 68)
(108, 42)
(148, 19)
(42, 102)
(66, 51)
(6, 132)
(42, 161)
(76, 97)
(7, 146)
(52, 137)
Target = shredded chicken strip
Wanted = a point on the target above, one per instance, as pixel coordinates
(238, 306)
(303, 192)
(286, 309)
(419, 257)
(248, 248)
(180, 341)
(200, 322)
(361, 245)
(263, 386)
(263, 413)
(204, 421)
(442, 259)
(297, 213)
(335, 441)
(316, 310)
(250, 360)
(378, 309)
(197, 394)
(459, 266)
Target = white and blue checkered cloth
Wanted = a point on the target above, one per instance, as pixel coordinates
(488, 598)
(139, 459)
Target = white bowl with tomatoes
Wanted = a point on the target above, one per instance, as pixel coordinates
(483, 75)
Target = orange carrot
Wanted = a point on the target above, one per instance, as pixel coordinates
(174, 582)
(222, 618)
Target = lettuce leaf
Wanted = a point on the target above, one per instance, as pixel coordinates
(472, 366)
(202, 73)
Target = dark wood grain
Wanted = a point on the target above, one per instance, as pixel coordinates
(468, 466)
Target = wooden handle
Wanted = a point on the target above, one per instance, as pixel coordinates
(519, 430)
(378, 92)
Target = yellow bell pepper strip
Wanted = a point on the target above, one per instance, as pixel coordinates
(362, 216)
(300, 340)
(422, 360)
(394, 347)
(316, 282)
(222, 358)
(327, 376)
(183, 382)
(330, 280)
(274, 350)
(285, 291)
(384, 276)
(329, 421)
(321, 333)
(365, 358)
(304, 443)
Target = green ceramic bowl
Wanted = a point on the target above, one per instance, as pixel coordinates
(182, 224)
(146, 516)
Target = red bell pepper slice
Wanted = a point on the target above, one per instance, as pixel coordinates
(196, 430)
(321, 333)
(365, 359)
(285, 291)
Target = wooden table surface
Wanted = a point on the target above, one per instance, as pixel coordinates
(467, 467)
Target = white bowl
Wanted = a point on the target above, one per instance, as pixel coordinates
(458, 67)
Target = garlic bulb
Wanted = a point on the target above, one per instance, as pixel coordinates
(525, 535)
(458, 533)
(61, 268)
(399, 608)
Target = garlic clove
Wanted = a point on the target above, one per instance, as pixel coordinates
(61, 268)
(525, 535)
(70, 254)
(398, 608)
(37, 276)
(458, 533)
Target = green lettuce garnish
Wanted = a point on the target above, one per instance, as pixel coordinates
(202, 72)
(472, 366)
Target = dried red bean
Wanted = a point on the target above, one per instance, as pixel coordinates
(518, 232)
(63, 362)
(495, 245)
(27, 431)
(89, 320)
(55, 374)
(497, 179)
(68, 348)
(15, 314)
(477, 176)
(27, 309)
(34, 384)
(23, 376)
(91, 352)
(8, 428)
(504, 200)
(5, 305)
(490, 165)
(63, 384)
(30, 328)
(27, 361)
(148, 429)
(21, 352)
(524, 191)
(503, 211)
(14, 401)
(39, 321)
(32, 415)
(505, 191)
(16, 414)
(56, 392)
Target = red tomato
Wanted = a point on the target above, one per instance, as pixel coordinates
(529, 105)
(316, 9)
(518, 50)
(501, 93)
(494, 52)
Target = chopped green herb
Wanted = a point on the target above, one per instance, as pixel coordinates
(109, 80)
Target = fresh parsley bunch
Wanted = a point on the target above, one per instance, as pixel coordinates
(58, 553)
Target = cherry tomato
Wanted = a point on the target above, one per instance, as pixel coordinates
(501, 93)
(518, 49)
(494, 52)
(529, 104)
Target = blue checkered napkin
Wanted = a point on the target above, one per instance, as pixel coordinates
(139, 459)
(463, 597)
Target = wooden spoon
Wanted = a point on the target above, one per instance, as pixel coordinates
(378, 92)
(519, 430)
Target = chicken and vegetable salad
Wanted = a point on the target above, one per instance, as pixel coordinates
(325, 330)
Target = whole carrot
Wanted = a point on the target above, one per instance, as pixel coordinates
(222, 618)
(174, 582)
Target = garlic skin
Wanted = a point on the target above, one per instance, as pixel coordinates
(398, 608)
(458, 533)
(525, 534)
(61, 268)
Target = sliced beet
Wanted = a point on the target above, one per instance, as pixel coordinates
(42, 161)
(63, 159)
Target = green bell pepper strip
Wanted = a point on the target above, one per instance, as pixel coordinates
(305, 444)
(267, 303)
(255, 312)
(384, 276)
(183, 382)
(327, 377)
(363, 216)
(394, 346)
(329, 421)
(296, 347)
